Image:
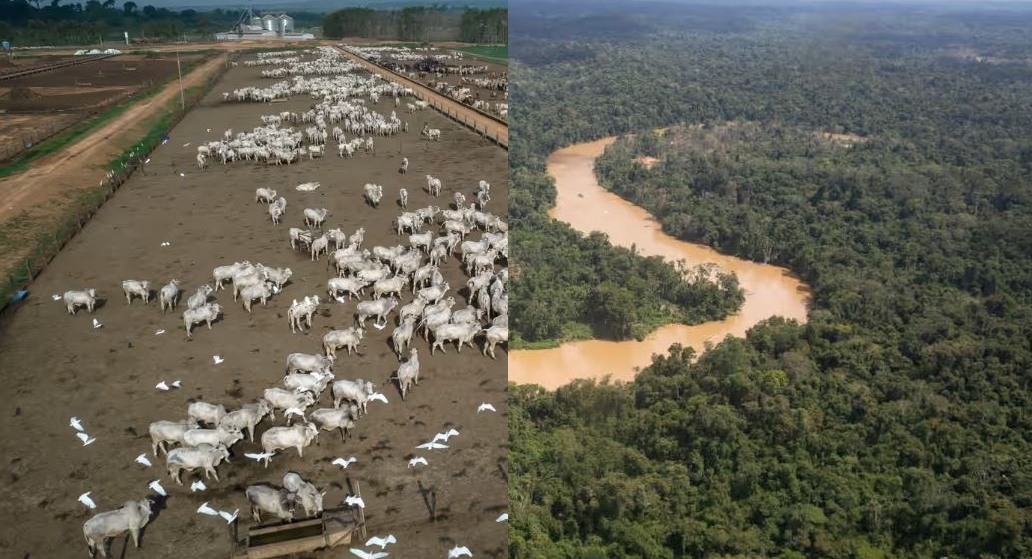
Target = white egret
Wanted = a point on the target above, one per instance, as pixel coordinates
(382, 542)
(205, 509)
(157, 488)
(445, 436)
(258, 457)
(345, 463)
(353, 500)
(369, 554)
(86, 439)
(85, 499)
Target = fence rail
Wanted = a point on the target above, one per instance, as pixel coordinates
(48, 246)
(48, 67)
(425, 93)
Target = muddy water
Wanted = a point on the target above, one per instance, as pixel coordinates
(581, 202)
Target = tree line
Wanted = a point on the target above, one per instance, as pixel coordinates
(893, 424)
(420, 24)
(54, 22)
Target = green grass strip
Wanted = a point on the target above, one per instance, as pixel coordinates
(496, 53)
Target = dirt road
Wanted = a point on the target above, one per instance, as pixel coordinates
(451, 106)
(81, 164)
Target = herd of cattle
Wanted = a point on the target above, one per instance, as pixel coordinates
(430, 239)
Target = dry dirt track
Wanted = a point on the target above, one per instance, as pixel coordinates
(463, 112)
(81, 164)
(55, 366)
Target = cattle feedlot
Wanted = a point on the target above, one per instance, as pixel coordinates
(122, 367)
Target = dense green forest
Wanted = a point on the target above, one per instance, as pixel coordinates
(419, 23)
(55, 22)
(895, 423)
(571, 286)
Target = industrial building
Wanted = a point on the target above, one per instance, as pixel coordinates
(251, 27)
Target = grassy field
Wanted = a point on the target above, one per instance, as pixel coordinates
(499, 53)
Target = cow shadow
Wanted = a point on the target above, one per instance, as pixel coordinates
(158, 504)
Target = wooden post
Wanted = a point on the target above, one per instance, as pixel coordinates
(361, 513)
(28, 269)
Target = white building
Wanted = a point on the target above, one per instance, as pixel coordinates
(266, 27)
(286, 23)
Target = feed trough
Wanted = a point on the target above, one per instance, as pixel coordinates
(332, 528)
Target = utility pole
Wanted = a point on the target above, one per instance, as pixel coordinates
(182, 100)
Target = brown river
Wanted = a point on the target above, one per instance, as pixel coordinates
(586, 206)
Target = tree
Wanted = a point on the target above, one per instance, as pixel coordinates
(129, 8)
(613, 308)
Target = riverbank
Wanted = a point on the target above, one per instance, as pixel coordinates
(586, 206)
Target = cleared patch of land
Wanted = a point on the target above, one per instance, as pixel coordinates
(646, 160)
(78, 92)
(106, 376)
(42, 196)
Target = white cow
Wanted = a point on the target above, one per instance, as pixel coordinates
(132, 517)
(190, 458)
(297, 436)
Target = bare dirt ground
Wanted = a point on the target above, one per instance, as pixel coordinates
(14, 127)
(43, 191)
(20, 62)
(45, 104)
(646, 160)
(842, 139)
(85, 85)
(105, 73)
(55, 366)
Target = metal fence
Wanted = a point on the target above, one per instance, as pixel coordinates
(493, 134)
(48, 246)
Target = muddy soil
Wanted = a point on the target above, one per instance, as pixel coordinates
(55, 366)
(106, 73)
